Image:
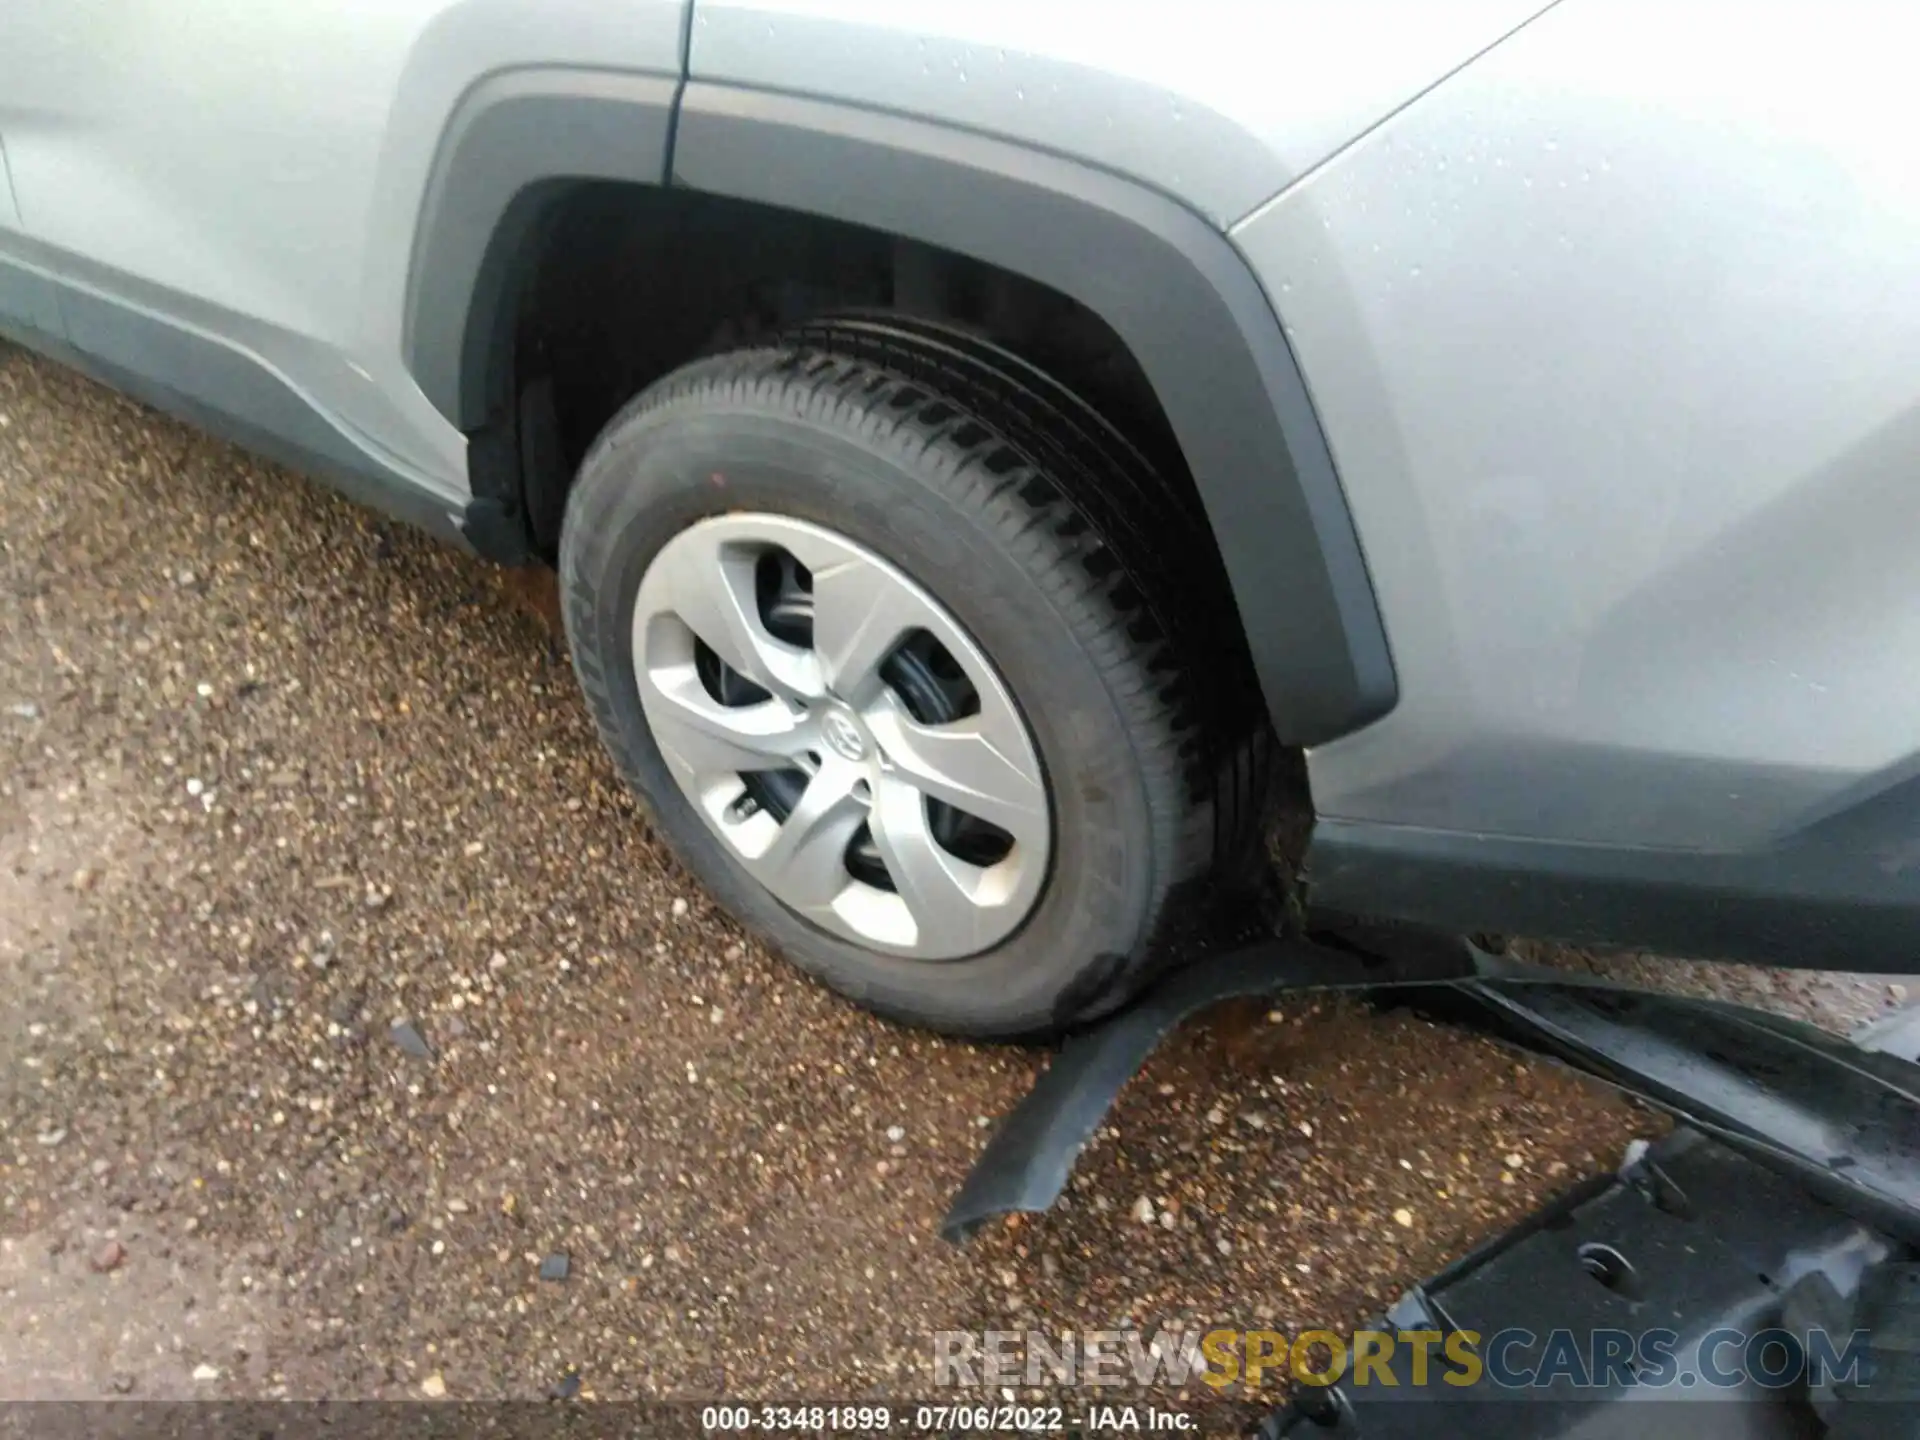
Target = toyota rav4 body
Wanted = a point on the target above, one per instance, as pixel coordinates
(980, 441)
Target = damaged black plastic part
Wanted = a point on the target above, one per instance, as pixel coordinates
(1843, 1120)
(1026, 1163)
(1788, 1197)
(1664, 1325)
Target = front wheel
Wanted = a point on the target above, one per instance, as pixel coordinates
(879, 624)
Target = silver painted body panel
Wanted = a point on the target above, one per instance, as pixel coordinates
(9, 209)
(1617, 346)
(1217, 102)
(1610, 309)
(22, 300)
(256, 171)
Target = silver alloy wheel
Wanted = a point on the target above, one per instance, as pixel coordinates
(827, 710)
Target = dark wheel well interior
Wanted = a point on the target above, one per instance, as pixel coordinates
(619, 284)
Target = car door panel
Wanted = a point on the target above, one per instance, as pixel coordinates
(26, 300)
(256, 173)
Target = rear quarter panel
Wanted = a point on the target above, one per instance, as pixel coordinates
(1616, 340)
(1217, 102)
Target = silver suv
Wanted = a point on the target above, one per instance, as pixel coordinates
(984, 445)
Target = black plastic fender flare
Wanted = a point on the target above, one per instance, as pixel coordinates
(1169, 283)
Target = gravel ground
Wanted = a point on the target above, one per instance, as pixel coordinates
(279, 776)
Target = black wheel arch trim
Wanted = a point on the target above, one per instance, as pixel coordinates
(1171, 286)
(515, 141)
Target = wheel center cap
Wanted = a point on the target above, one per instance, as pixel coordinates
(843, 734)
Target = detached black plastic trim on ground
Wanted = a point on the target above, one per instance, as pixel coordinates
(1027, 1161)
(1843, 1120)
(1787, 1201)
(1691, 1243)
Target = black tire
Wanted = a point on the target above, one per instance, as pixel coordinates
(1086, 580)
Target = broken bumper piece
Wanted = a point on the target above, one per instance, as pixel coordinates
(1785, 1205)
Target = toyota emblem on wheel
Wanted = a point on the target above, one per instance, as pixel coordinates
(843, 735)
